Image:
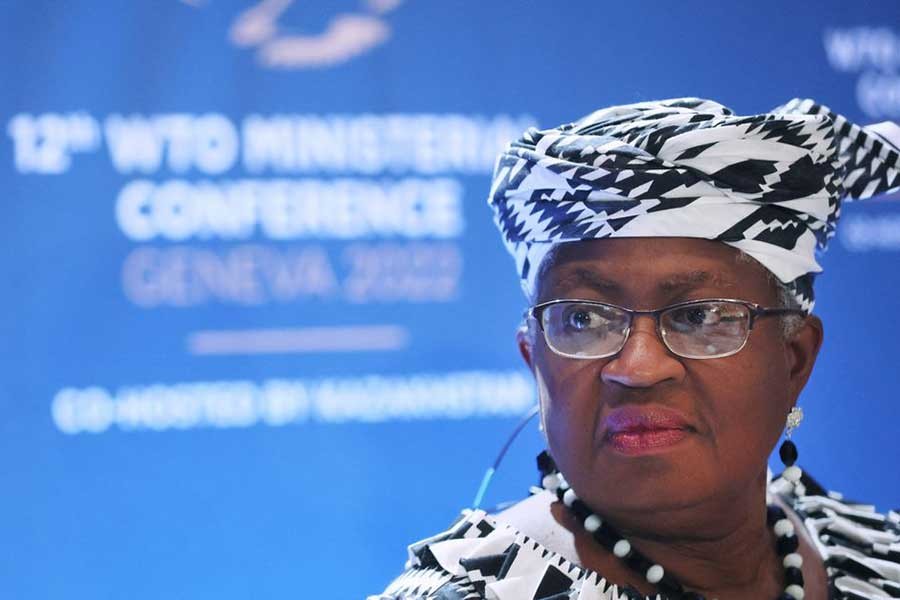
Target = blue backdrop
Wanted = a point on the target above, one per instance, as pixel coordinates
(258, 327)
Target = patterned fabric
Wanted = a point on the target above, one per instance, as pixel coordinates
(478, 558)
(770, 185)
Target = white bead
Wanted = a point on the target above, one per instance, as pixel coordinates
(799, 490)
(550, 482)
(793, 560)
(655, 574)
(793, 473)
(562, 480)
(569, 497)
(592, 523)
(795, 590)
(622, 548)
(784, 528)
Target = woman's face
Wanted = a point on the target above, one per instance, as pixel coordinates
(646, 429)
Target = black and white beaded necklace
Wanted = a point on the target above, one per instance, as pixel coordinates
(670, 589)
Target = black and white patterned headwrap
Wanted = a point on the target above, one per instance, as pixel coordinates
(770, 185)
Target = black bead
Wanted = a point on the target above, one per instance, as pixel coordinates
(637, 562)
(580, 509)
(693, 596)
(787, 544)
(545, 463)
(670, 586)
(786, 596)
(774, 514)
(788, 453)
(793, 575)
(605, 539)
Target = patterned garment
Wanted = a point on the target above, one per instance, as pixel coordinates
(770, 185)
(478, 558)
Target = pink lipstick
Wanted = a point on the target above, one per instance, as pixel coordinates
(636, 430)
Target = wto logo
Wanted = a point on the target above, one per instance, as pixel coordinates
(346, 36)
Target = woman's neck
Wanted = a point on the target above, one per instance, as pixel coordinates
(720, 555)
(719, 548)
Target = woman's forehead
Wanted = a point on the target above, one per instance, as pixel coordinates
(642, 266)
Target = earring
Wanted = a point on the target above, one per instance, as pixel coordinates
(788, 451)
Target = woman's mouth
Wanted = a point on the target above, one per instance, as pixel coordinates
(636, 430)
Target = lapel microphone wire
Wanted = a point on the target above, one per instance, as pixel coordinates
(489, 474)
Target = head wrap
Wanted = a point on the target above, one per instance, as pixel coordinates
(770, 185)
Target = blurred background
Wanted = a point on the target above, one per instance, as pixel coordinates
(258, 327)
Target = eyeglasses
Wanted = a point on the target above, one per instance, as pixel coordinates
(708, 328)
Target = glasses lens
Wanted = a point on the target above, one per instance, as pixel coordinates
(583, 330)
(706, 329)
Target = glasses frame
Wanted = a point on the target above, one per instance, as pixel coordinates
(756, 311)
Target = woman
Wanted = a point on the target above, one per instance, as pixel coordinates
(668, 252)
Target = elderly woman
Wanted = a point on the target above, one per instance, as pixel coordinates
(668, 252)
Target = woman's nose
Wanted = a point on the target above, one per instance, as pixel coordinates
(644, 361)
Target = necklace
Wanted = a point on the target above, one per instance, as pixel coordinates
(607, 536)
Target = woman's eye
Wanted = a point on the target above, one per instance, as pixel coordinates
(698, 316)
(580, 320)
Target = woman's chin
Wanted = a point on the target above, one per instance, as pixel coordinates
(658, 480)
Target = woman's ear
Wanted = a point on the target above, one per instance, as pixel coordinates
(525, 341)
(802, 349)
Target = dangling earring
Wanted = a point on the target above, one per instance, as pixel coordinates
(543, 397)
(788, 452)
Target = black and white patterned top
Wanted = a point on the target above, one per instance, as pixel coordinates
(479, 558)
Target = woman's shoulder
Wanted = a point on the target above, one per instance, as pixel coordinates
(859, 546)
(431, 571)
(486, 556)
